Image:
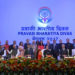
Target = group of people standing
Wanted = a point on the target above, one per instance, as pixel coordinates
(37, 49)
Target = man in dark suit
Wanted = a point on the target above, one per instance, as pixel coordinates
(63, 52)
(60, 44)
(11, 46)
(68, 47)
(73, 45)
(29, 51)
(13, 51)
(27, 43)
(49, 45)
(55, 49)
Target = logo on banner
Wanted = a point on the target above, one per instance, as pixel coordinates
(45, 15)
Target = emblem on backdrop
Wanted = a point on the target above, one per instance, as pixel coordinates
(45, 15)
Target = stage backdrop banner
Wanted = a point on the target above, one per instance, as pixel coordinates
(37, 20)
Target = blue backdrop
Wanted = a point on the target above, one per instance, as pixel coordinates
(15, 14)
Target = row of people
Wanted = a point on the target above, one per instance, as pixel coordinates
(34, 49)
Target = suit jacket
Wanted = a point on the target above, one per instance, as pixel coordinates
(60, 46)
(73, 46)
(55, 50)
(25, 45)
(63, 52)
(69, 46)
(29, 52)
(14, 52)
(1, 52)
(49, 46)
(11, 47)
